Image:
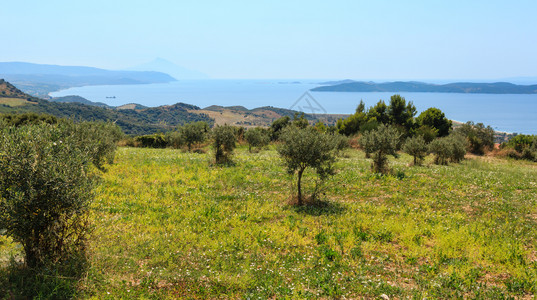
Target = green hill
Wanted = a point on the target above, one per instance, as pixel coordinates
(144, 121)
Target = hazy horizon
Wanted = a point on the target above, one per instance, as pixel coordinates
(380, 41)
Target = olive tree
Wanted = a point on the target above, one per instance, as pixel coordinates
(257, 137)
(193, 133)
(224, 140)
(451, 148)
(45, 190)
(380, 142)
(303, 148)
(416, 147)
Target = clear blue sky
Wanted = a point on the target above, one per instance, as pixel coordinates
(281, 39)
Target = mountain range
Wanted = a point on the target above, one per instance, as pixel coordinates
(39, 79)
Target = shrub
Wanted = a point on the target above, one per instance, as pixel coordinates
(304, 148)
(224, 140)
(480, 138)
(257, 137)
(98, 139)
(451, 148)
(157, 140)
(380, 142)
(416, 147)
(278, 125)
(45, 190)
(193, 133)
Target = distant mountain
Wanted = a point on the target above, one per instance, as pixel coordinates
(417, 87)
(39, 80)
(165, 66)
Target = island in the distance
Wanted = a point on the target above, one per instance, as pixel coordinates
(422, 87)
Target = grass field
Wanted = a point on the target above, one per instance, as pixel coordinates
(14, 101)
(170, 224)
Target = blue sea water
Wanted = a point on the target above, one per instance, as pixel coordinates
(504, 112)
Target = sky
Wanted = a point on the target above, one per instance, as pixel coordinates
(337, 39)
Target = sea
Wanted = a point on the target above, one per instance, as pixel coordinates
(513, 113)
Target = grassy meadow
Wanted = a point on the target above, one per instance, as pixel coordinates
(170, 224)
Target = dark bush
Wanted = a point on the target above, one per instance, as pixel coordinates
(157, 140)
(224, 140)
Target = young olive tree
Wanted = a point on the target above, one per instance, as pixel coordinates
(193, 133)
(224, 140)
(303, 148)
(45, 190)
(380, 142)
(451, 148)
(416, 147)
(257, 137)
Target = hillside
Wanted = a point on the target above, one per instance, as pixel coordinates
(137, 119)
(261, 116)
(143, 121)
(420, 87)
(39, 79)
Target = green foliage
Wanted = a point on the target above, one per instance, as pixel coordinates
(524, 145)
(257, 137)
(45, 190)
(224, 140)
(278, 125)
(98, 139)
(12, 119)
(354, 122)
(157, 140)
(435, 118)
(480, 138)
(416, 147)
(300, 122)
(451, 148)
(193, 133)
(303, 148)
(401, 114)
(380, 142)
(427, 132)
(398, 113)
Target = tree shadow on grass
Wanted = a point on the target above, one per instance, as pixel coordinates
(18, 281)
(316, 207)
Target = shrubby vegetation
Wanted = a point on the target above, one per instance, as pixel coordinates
(479, 137)
(257, 137)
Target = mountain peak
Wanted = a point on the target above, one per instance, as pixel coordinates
(165, 66)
